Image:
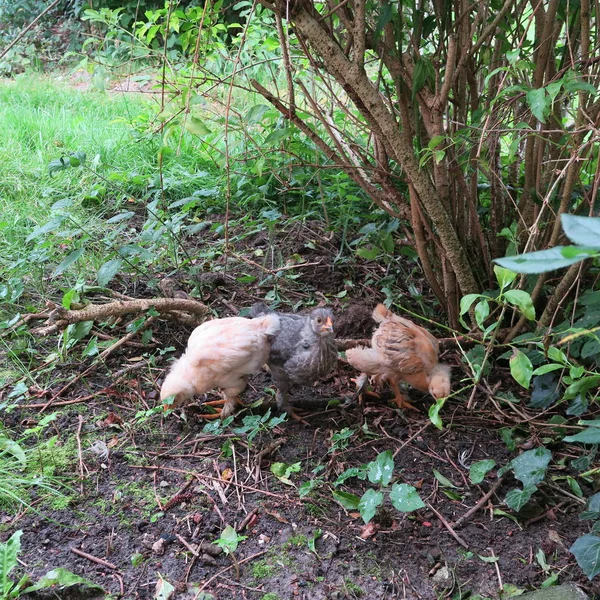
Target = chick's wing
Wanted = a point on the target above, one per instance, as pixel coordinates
(232, 344)
(405, 348)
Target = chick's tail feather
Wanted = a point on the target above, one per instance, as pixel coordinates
(270, 323)
(366, 360)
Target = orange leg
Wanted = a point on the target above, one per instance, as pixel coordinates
(400, 398)
(228, 405)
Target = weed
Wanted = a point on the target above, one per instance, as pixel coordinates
(296, 541)
(271, 596)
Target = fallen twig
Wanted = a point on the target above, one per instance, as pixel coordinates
(239, 562)
(98, 561)
(449, 528)
(479, 504)
(78, 438)
(190, 548)
(61, 316)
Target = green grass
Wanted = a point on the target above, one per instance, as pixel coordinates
(45, 120)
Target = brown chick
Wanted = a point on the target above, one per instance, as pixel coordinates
(220, 354)
(402, 351)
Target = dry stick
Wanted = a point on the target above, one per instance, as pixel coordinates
(99, 561)
(240, 562)
(449, 528)
(26, 29)
(78, 438)
(247, 519)
(479, 504)
(182, 540)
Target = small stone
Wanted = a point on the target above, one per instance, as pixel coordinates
(159, 547)
(164, 484)
(559, 592)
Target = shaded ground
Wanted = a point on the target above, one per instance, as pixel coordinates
(147, 491)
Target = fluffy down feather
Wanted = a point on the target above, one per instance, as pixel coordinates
(402, 351)
(221, 354)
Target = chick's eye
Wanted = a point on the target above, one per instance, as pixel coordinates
(319, 320)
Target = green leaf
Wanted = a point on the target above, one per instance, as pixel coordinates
(482, 312)
(283, 471)
(539, 262)
(369, 503)
(538, 103)
(591, 435)
(434, 412)
(8, 446)
(277, 135)
(467, 301)
(443, 480)
(480, 469)
(592, 509)
(196, 126)
(47, 228)
(68, 261)
(312, 540)
(530, 467)
(347, 500)
(517, 499)
(164, 590)
(368, 253)
(107, 271)
(547, 369)
(405, 498)
(521, 368)
(422, 72)
(381, 469)
(587, 554)
(256, 113)
(504, 276)
(522, 299)
(59, 579)
(584, 231)
(8, 555)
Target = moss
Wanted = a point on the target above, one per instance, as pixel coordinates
(296, 541)
(263, 570)
(271, 596)
(353, 588)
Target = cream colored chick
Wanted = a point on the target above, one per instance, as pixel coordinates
(401, 351)
(220, 354)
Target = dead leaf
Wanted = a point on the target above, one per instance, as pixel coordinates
(277, 516)
(227, 474)
(369, 530)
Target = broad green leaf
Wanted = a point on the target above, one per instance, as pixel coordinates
(592, 508)
(587, 554)
(68, 261)
(368, 253)
(522, 299)
(283, 471)
(539, 262)
(517, 499)
(579, 252)
(59, 579)
(8, 446)
(46, 228)
(482, 312)
(256, 113)
(107, 271)
(8, 554)
(530, 467)
(545, 391)
(277, 135)
(478, 470)
(538, 103)
(422, 72)
(405, 498)
(547, 369)
(369, 503)
(504, 276)
(434, 412)
(164, 590)
(347, 500)
(521, 368)
(591, 435)
(124, 216)
(442, 479)
(584, 231)
(467, 301)
(381, 469)
(196, 126)
(312, 540)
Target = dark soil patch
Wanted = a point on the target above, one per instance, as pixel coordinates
(143, 493)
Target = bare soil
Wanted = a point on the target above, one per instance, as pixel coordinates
(165, 487)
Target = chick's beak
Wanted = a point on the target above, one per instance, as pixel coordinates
(327, 327)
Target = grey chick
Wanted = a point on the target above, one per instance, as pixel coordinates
(302, 352)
